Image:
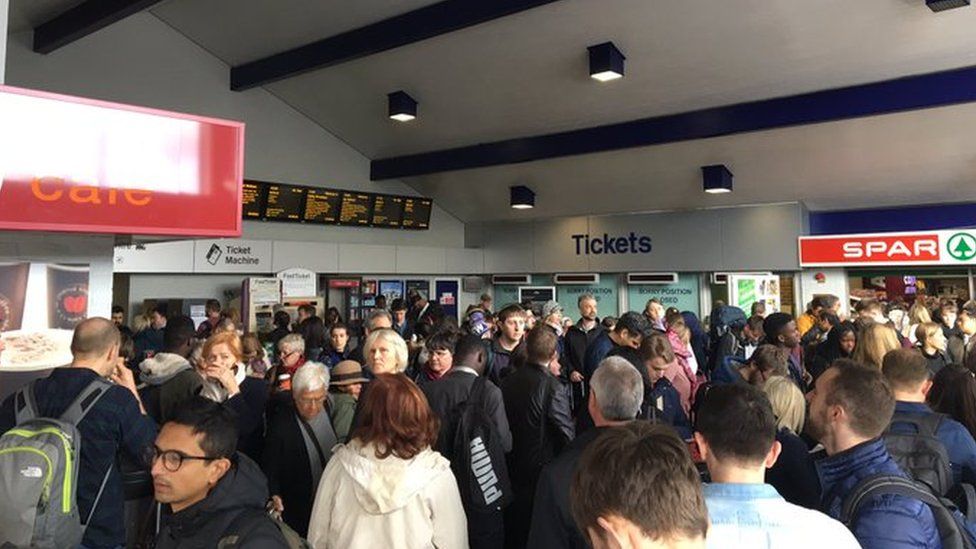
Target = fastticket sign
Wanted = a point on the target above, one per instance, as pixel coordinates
(80, 165)
(923, 248)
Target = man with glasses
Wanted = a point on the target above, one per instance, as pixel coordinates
(299, 445)
(216, 496)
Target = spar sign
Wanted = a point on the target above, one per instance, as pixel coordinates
(956, 247)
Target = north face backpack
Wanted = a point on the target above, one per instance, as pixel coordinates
(39, 473)
(919, 452)
(477, 457)
(954, 532)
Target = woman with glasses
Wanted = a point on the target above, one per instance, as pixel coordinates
(298, 446)
(225, 380)
(387, 487)
(291, 356)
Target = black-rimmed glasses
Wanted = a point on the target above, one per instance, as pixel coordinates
(172, 459)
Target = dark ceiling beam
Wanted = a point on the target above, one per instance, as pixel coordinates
(414, 26)
(84, 19)
(878, 98)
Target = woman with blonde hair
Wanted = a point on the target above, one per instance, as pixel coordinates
(932, 342)
(385, 352)
(875, 341)
(918, 314)
(794, 475)
(225, 380)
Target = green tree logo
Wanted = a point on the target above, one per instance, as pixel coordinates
(962, 246)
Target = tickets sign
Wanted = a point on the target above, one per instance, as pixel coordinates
(80, 165)
(956, 247)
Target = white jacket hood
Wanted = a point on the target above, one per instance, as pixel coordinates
(385, 485)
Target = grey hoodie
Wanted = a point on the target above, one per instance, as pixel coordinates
(162, 367)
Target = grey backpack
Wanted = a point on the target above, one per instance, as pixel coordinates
(39, 473)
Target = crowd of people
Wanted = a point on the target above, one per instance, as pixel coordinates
(522, 427)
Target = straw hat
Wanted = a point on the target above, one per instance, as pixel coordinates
(347, 372)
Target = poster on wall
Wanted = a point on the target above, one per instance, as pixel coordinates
(392, 289)
(422, 287)
(40, 305)
(746, 289)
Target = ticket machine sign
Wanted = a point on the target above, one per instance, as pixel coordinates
(80, 165)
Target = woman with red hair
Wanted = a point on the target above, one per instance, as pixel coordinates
(387, 487)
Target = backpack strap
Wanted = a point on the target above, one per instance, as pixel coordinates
(946, 519)
(925, 424)
(25, 406)
(76, 412)
(876, 485)
(85, 401)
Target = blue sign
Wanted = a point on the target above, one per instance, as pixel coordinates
(608, 244)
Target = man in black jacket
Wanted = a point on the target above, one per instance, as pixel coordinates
(580, 335)
(213, 494)
(540, 416)
(960, 343)
(299, 445)
(446, 396)
(616, 394)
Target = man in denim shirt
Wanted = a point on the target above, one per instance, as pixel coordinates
(736, 433)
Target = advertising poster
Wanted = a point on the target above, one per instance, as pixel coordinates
(744, 290)
(392, 289)
(40, 305)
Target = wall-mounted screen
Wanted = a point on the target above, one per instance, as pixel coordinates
(387, 211)
(416, 213)
(285, 203)
(322, 206)
(356, 208)
(254, 196)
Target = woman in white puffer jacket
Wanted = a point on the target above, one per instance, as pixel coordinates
(387, 487)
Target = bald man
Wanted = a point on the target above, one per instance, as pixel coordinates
(113, 420)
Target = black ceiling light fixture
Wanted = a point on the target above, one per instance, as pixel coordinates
(942, 5)
(522, 197)
(606, 62)
(403, 108)
(716, 179)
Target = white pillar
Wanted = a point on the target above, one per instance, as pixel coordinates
(4, 8)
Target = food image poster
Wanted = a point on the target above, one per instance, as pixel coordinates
(40, 304)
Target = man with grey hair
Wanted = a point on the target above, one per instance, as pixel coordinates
(580, 335)
(299, 445)
(378, 319)
(616, 395)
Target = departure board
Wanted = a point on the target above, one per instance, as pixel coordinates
(322, 206)
(270, 201)
(285, 203)
(387, 211)
(254, 196)
(355, 208)
(416, 213)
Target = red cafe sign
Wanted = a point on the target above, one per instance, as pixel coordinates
(957, 247)
(80, 165)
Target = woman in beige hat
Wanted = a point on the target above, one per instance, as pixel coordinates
(347, 382)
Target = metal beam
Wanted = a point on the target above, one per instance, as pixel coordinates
(878, 98)
(82, 20)
(414, 26)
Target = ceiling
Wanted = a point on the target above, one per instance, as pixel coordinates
(526, 74)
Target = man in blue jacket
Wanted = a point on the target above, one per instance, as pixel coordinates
(850, 407)
(907, 372)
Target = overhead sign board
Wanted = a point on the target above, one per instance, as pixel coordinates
(232, 256)
(80, 165)
(956, 247)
